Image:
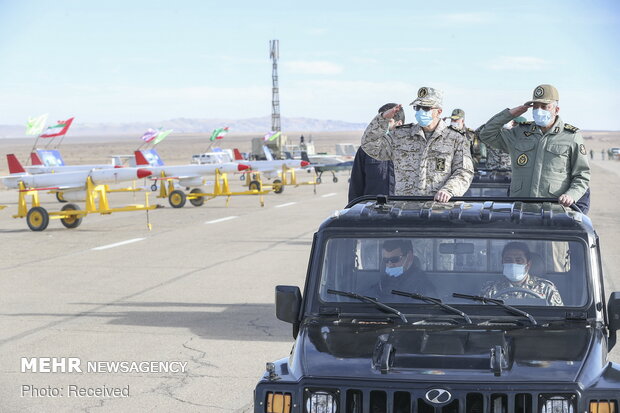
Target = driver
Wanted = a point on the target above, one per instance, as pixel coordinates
(516, 258)
(401, 273)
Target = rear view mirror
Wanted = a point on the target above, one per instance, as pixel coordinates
(288, 303)
(456, 248)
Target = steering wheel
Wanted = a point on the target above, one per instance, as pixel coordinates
(517, 290)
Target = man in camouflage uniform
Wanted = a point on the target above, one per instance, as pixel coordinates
(549, 158)
(516, 259)
(497, 159)
(429, 157)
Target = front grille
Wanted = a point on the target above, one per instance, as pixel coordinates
(398, 401)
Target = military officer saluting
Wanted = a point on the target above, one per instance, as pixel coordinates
(429, 157)
(549, 158)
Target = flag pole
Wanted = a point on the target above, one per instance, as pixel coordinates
(33, 149)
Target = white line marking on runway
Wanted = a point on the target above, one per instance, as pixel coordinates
(118, 244)
(215, 221)
(328, 195)
(285, 205)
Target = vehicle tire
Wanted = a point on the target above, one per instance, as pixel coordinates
(242, 177)
(278, 188)
(177, 199)
(37, 218)
(318, 180)
(196, 201)
(334, 179)
(154, 187)
(255, 186)
(72, 221)
(59, 197)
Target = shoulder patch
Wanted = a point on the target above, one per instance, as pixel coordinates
(462, 132)
(570, 128)
(526, 123)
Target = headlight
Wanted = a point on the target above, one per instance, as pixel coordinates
(321, 402)
(602, 406)
(278, 403)
(552, 403)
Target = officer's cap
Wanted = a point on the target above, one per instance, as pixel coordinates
(427, 96)
(457, 114)
(545, 94)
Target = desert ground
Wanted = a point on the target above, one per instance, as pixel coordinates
(197, 288)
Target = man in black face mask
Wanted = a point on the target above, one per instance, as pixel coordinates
(401, 273)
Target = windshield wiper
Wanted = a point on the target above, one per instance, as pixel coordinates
(372, 301)
(434, 301)
(495, 301)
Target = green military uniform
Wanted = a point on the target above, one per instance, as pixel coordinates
(544, 165)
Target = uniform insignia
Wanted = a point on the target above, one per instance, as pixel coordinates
(582, 149)
(528, 123)
(539, 91)
(528, 133)
(440, 164)
(556, 130)
(422, 92)
(570, 128)
(533, 127)
(522, 160)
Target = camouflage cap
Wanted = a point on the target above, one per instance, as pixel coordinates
(457, 114)
(545, 94)
(427, 96)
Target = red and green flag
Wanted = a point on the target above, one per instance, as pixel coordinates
(61, 127)
(219, 133)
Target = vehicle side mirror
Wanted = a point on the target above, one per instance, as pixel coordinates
(613, 311)
(288, 303)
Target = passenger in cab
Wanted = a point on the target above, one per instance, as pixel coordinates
(517, 282)
(401, 273)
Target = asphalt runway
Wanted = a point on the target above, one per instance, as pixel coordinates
(196, 289)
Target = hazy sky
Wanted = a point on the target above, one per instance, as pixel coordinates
(133, 60)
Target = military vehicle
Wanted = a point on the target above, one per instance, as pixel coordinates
(448, 332)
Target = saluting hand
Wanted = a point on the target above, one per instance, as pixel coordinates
(389, 114)
(520, 110)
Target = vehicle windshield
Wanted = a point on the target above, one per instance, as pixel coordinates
(520, 272)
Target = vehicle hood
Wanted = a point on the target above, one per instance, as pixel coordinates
(458, 353)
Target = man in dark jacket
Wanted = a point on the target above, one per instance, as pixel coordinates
(370, 176)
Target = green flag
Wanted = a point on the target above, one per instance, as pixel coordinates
(161, 136)
(34, 126)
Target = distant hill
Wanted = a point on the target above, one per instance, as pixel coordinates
(185, 125)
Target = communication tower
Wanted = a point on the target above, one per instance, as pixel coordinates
(274, 54)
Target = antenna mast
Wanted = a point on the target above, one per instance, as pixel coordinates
(274, 54)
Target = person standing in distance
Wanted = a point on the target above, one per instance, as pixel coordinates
(429, 158)
(549, 158)
(370, 176)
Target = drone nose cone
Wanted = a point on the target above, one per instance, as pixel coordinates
(143, 173)
(242, 167)
(304, 163)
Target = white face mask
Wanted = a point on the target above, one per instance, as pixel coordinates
(455, 124)
(515, 272)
